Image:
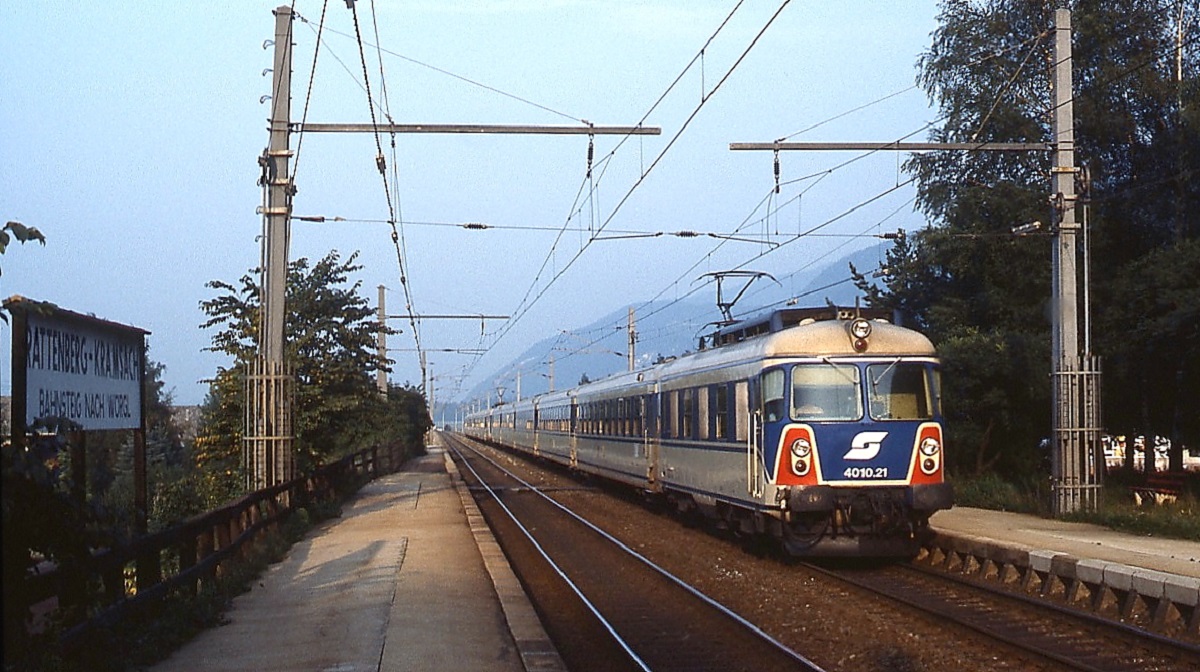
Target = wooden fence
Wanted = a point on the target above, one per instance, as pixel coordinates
(198, 550)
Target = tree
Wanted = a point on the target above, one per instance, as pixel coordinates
(981, 292)
(23, 234)
(330, 338)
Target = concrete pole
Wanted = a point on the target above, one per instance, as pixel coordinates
(381, 378)
(267, 448)
(1077, 465)
(632, 340)
(279, 193)
(1066, 320)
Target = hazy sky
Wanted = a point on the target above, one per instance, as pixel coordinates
(130, 132)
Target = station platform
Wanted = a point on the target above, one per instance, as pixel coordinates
(1081, 540)
(409, 578)
(1082, 561)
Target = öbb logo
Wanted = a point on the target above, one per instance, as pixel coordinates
(865, 446)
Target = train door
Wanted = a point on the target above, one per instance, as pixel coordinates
(574, 433)
(749, 405)
(536, 429)
(768, 404)
(651, 434)
(773, 416)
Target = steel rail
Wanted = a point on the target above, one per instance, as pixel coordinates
(649, 563)
(1127, 628)
(545, 556)
(946, 612)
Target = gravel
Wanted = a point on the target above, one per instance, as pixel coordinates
(836, 626)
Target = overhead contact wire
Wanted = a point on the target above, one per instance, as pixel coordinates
(380, 164)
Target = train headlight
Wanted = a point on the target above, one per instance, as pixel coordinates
(931, 455)
(802, 455)
(860, 329)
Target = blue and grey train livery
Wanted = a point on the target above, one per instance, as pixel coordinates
(821, 427)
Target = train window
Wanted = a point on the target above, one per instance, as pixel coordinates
(899, 391)
(773, 395)
(638, 413)
(702, 416)
(827, 391)
(687, 410)
(742, 416)
(935, 379)
(720, 403)
(670, 412)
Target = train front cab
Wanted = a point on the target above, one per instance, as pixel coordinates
(854, 447)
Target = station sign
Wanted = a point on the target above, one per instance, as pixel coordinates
(77, 367)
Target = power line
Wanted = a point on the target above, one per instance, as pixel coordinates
(523, 310)
(381, 164)
(461, 78)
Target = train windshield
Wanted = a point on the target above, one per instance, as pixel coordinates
(902, 390)
(828, 391)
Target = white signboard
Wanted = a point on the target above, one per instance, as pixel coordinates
(81, 370)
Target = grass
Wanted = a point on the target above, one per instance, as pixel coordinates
(1178, 520)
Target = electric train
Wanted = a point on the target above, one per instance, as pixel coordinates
(821, 427)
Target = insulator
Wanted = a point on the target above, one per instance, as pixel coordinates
(591, 154)
(777, 171)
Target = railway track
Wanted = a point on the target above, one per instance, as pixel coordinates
(952, 621)
(604, 604)
(1065, 637)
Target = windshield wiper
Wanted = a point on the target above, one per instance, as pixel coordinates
(875, 382)
(841, 368)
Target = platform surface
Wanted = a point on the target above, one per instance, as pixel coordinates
(399, 582)
(1082, 540)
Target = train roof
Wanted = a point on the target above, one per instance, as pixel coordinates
(785, 318)
(790, 333)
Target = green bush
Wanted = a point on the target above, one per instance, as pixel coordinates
(990, 491)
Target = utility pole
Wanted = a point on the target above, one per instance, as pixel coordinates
(381, 378)
(632, 340)
(279, 192)
(267, 448)
(1077, 467)
(431, 392)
